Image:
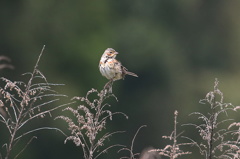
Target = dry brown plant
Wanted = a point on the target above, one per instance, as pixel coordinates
(88, 122)
(5, 62)
(22, 103)
(173, 151)
(130, 150)
(217, 140)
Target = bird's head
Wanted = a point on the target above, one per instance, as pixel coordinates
(110, 53)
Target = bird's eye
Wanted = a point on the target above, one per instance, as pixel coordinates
(111, 52)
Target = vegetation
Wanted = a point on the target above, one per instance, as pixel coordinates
(177, 48)
(23, 103)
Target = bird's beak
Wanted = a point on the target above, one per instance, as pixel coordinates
(115, 53)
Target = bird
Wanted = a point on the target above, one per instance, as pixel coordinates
(111, 68)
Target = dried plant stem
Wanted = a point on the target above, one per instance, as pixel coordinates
(173, 151)
(13, 134)
(34, 137)
(211, 128)
(34, 70)
(216, 142)
(20, 117)
(175, 135)
(133, 140)
(91, 119)
(19, 103)
(130, 150)
(6, 63)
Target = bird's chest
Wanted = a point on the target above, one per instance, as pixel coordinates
(110, 69)
(108, 64)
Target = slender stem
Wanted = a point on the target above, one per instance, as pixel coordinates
(174, 135)
(9, 148)
(19, 117)
(212, 125)
(134, 137)
(25, 147)
(34, 70)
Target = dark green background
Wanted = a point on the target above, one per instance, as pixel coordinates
(177, 48)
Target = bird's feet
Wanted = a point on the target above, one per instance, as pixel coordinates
(108, 86)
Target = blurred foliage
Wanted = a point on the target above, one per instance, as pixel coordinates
(176, 47)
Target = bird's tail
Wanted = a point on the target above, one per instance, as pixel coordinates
(131, 74)
(126, 72)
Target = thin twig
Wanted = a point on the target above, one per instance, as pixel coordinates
(133, 140)
(42, 128)
(44, 112)
(34, 137)
(105, 150)
(35, 69)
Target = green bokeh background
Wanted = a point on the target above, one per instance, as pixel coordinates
(177, 48)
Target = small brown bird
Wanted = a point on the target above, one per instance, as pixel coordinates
(111, 68)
